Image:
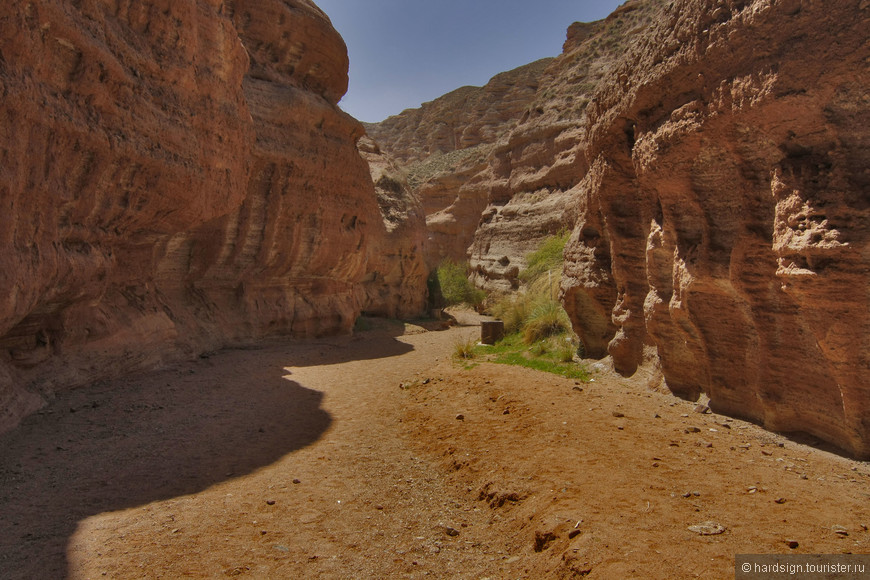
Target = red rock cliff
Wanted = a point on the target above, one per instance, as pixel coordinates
(534, 169)
(725, 217)
(174, 177)
(494, 165)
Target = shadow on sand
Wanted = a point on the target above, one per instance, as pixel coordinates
(379, 339)
(128, 442)
(132, 441)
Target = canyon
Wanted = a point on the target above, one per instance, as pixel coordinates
(206, 265)
(178, 178)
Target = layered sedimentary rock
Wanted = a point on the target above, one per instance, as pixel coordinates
(716, 185)
(460, 119)
(112, 142)
(494, 165)
(725, 216)
(445, 148)
(174, 177)
(395, 282)
(535, 167)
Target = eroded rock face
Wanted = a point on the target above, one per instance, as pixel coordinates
(536, 167)
(725, 215)
(495, 166)
(445, 147)
(461, 119)
(112, 142)
(176, 177)
(395, 282)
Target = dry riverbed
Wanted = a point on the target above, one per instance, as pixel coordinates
(378, 456)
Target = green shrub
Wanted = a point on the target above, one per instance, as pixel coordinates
(539, 330)
(540, 348)
(565, 348)
(513, 310)
(452, 278)
(553, 356)
(547, 319)
(549, 257)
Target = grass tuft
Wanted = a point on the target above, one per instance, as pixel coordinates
(555, 356)
(455, 287)
(547, 258)
(539, 330)
(547, 319)
(465, 350)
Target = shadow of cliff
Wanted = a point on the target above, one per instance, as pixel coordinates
(380, 340)
(133, 441)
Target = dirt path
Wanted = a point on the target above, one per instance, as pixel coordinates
(309, 460)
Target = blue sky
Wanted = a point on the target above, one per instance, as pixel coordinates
(406, 52)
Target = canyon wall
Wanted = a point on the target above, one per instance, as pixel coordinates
(534, 169)
(444, 147)
(395, 282)
(176, 177)
(725, 217)
(494, 165)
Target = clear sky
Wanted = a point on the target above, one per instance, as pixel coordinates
(406, 52)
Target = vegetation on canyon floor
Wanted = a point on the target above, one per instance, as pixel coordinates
(554, 355)
(538, 330)
(450, 280)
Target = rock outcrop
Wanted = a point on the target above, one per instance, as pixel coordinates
(535, 167)
(725, 216)
(395, 282)
(445, 148)
(461, 119)
(710, 157)
(175, 177)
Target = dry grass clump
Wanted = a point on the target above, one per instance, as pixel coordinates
(547, 319)
(465, 349)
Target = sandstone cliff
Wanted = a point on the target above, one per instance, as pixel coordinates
(445, 145)
(395, 282)
(711, 158)
(176, 176)
(493, 165)
(534, 169)
(725, 216)
(460, 119)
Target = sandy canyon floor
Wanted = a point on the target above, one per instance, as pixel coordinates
(378, 456)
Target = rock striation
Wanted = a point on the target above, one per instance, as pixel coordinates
(724, 219)
(534, 169)
(395, 281)
(445, 145)
(461, 119)
(176, 177)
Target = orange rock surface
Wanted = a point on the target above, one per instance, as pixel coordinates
(711, 158)
(176, 177)
(724, 220)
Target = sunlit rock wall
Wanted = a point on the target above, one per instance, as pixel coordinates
(725, 216)
(174, 177)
